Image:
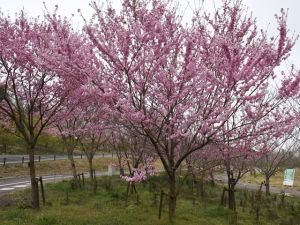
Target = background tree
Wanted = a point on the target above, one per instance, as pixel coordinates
(130, 149)
(282, 155)
(7, 136)
(96, 132)
(71, 130)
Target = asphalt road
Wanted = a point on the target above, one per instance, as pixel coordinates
(14, 159)
(9, 185)
(252, 186)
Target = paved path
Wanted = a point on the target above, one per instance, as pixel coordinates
(252, 186)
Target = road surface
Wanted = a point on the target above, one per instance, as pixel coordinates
(252, 186)
(15, 159)
(8, 185)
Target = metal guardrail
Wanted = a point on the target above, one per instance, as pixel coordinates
(21, 159)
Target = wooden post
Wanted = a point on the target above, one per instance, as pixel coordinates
(261, 186)
(223, 194)
(259, 191)
(160, 204)
(79, 180)
(42, 189)
(67, 198)
(127, 190)
(82, 179)
(170, 206)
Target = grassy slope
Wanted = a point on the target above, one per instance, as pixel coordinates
(58, 167)
(108, 206)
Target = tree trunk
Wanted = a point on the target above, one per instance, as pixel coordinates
(34, 184)
(91, 168)
(212, 178)
(231, 197)
(267, 185)
(172, 195)
(73, 168)
(133, 188)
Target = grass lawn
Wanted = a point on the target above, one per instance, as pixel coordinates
(105, 202)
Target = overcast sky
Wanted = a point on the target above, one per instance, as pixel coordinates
(263, 10)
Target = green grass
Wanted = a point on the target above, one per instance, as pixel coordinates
(107, 204)
(275, 181)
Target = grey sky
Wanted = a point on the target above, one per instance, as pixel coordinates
(263, 10)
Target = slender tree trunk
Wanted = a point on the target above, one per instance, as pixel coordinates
(267, 185)
(212, 178)
(231, 197)
(120, 164)
(74, 172)
(34, 184)
(91, 167)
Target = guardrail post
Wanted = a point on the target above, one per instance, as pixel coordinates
(22, 159)
(112, 154)
(103, 155)
(4, 161)
(39, 158)
(81, 155)
(54, 157)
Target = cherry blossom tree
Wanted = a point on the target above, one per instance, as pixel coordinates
(134, 152)
(97, 131)
(201, 82)
(36, 75)
(70, 131)
(90, 144)
(205, 163)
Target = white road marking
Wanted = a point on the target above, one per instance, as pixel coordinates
(6, 189)
(13, 183)
(20, 186)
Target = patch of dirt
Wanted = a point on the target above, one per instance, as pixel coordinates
(6, 201)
